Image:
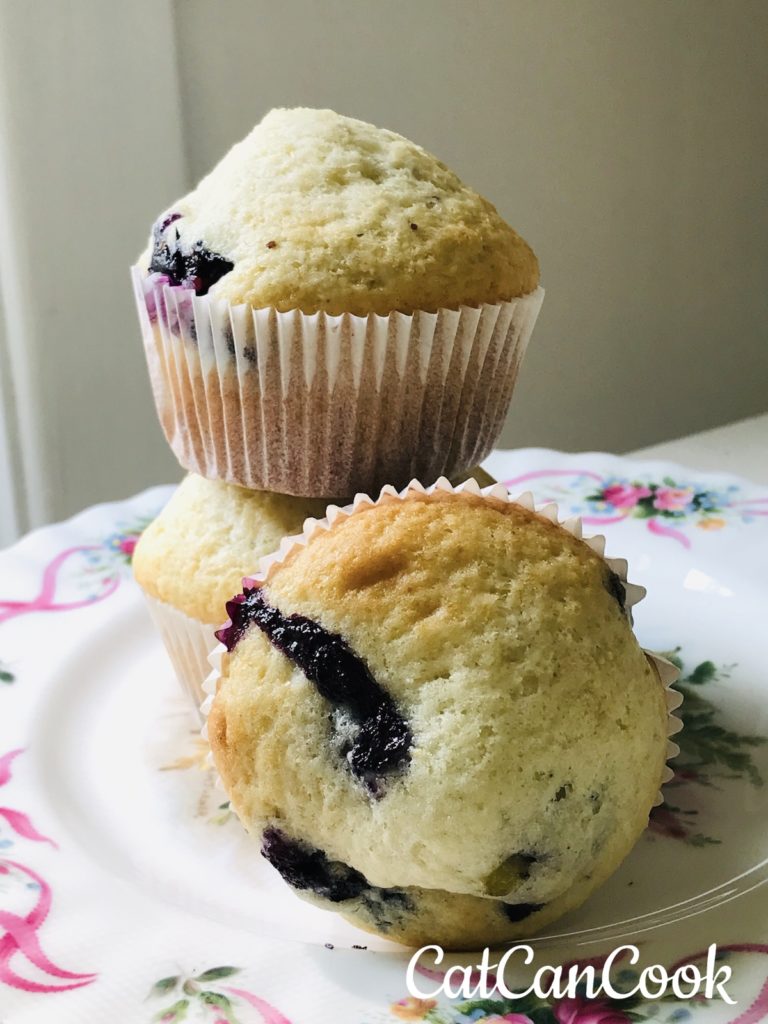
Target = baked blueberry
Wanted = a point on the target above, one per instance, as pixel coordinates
(308, 869)
(371, 734)
(616, 589)
(516, 912)
(194, 266)
(304, 867)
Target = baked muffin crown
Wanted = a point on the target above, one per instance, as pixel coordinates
(320, 212)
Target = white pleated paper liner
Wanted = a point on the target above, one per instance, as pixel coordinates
(188, 642)
(498, 495)
(317, 405)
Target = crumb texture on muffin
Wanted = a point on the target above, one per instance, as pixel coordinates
(537, 728)
(210, 535)
(319, 212)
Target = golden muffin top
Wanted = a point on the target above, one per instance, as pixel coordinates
(320, 212)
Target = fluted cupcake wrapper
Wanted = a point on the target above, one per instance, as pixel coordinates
(317, 405)
(188, 643)
(496, 494)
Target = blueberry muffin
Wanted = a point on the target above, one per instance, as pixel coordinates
(333, 309)
(435, 717)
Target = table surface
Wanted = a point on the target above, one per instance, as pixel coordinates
(740, 448)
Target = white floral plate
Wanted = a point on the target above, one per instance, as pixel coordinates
(129, 893)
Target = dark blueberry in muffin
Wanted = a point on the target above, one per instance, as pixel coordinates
(382, 744)
(515, 912)
(306, 868)
(370, 732)
(194, 267)
(616, 589)
(240, 611)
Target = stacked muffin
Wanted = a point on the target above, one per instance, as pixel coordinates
(431, 710)
(329, 311)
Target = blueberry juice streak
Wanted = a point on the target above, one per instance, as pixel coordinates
(194, 267)
(372, 735)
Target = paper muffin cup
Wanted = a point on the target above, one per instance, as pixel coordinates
(317, 405)
(497, 495)
(188, 642)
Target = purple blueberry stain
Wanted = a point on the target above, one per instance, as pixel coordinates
(169, 219)
(229, 339)
(370, 733)
(150, 301)
(194, 267)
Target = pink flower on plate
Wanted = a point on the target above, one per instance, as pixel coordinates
(584, 1011)
(673, 499)
(128, 545)
(624, 495)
